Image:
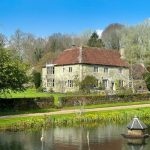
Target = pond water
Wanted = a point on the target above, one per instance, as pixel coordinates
(71, 138)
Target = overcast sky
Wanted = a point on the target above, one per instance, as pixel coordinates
(44, 17)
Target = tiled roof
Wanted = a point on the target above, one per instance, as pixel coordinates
(136, 124)
(87, 55)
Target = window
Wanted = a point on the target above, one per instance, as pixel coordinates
(63, 69)
(50, 70)
(97, 83)
(50, 83)
(120, 70)
(70, 83)
(120, 83)
(130, 84)
(70, 69)
(105, 70)
(105, 83)
(95, 68)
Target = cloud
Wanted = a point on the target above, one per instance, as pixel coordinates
(99, 32)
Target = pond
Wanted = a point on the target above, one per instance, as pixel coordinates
(71, 138)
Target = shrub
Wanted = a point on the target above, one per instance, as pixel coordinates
(36, 79)
(51, 90)
(92, 100)
(89, 82)
(124, 91)
(26, 103)
(40, 89)
(147, 80)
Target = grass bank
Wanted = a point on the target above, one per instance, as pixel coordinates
(31, 93)
(9, 112)
(119, 116)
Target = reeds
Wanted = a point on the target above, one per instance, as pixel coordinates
(106, 117)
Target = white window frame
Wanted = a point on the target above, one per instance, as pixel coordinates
(121, 83)
(105, 83)
(105, 69)
(70, 83)
(95, 68)
(50, 82)
(70, 69)
(50, 70)
(120, 70)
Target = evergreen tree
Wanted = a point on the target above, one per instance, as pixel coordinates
(95, 41)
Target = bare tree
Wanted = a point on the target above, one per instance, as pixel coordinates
(16, 42)
(111, 36)
(136, 42)
(3, 40)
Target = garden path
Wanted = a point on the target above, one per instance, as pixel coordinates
(75, 111)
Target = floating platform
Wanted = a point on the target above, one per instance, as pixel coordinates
(135, 136)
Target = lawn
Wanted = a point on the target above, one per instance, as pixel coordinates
(12, 112)
(29, 93)
(33, 93)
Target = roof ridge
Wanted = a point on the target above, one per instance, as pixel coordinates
(88, 55)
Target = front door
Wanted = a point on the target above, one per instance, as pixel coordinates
(112, 85)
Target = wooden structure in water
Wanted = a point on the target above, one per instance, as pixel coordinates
(136, 128)
(136, 133)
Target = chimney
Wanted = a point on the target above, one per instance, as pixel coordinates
(73, 45)
(122, 53)
(80, 54)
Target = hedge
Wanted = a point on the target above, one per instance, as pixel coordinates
(91, 100)
(26, 103)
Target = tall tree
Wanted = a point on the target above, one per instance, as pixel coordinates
(135, 40)
(111, 36)
(94, 41)
(12, 72)
(16, 43)
(3, 40)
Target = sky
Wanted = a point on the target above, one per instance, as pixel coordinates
(45, 17)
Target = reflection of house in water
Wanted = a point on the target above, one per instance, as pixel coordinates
(115, 144)
(135, 147)
(76, 138)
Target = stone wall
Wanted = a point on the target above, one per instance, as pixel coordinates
(26, 103)
(79, 71)
(112, 75)
(61, 77)
(44, 77)
(93, 100)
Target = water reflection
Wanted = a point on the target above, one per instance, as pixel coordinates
(79, 138)
(136, 147)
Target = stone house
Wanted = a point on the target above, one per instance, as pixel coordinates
(78, 62)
